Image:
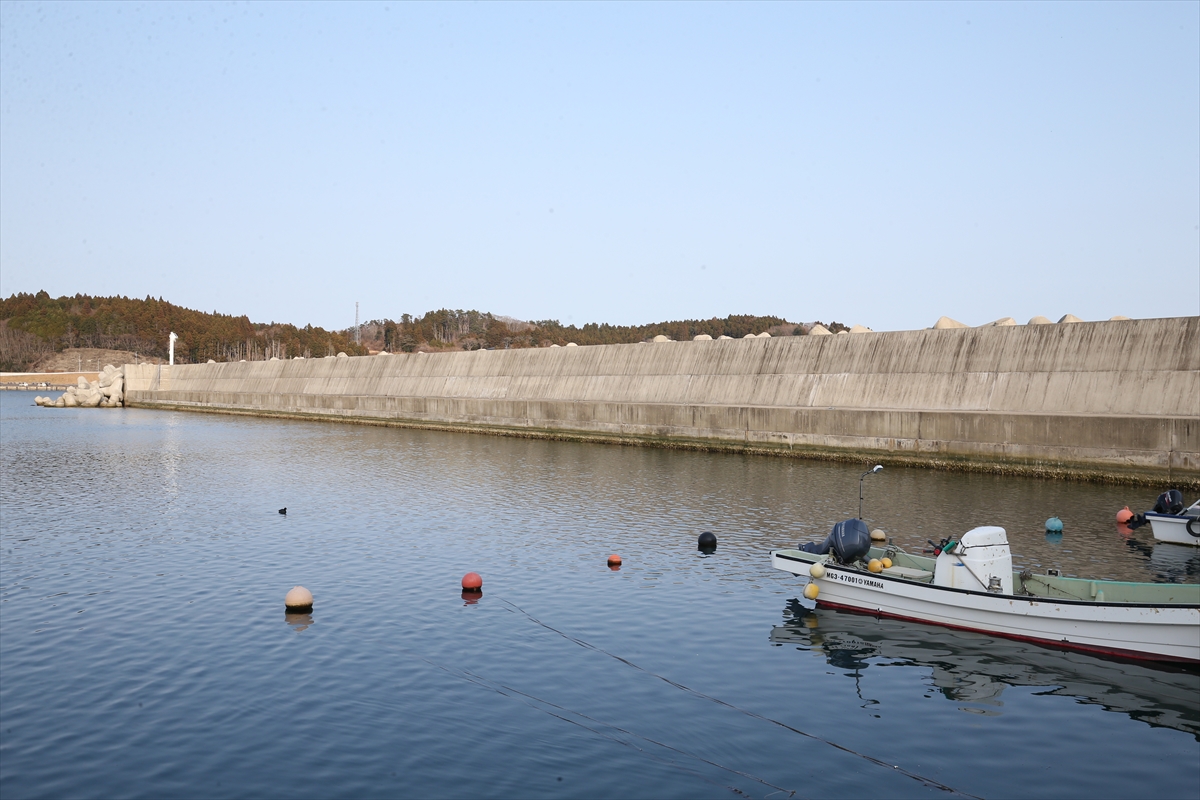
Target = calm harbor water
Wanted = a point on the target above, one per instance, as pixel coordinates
(145, 652)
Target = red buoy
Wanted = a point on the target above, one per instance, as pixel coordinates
(614, 560)
(472, 582)
(1124, 515)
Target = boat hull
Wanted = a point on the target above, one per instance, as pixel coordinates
(1131, 630)
(1174, 528)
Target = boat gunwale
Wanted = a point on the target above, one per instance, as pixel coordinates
(1029, 598)
(1063, 644)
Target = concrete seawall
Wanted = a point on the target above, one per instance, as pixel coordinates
(1104, 400)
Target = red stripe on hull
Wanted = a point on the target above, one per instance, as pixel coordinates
(1136, 655)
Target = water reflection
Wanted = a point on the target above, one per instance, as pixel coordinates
(298, 622)
(976, 668)
(1172, 563)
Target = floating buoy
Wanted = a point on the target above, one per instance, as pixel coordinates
(817, 570)
(878, 536)
(811, 591)
(1124, 515)
(707, 541)
(298, 599)
(1054, 525)
(471, 582)
(886, 562)
(875, 565)
(614, 560)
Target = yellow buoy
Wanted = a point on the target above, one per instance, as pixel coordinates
(874, 565)
(817, 570)
(887, 562)
(811, 591)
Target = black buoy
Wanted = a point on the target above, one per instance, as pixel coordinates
(707, 543)
(283, 511)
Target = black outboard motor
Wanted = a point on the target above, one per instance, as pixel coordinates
(1169, 502)
(850, 540)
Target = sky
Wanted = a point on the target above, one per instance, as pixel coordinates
(872, 163)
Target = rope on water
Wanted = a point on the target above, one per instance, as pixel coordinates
(508, 691)
(589, 646)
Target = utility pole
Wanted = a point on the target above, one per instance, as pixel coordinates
(357, 330)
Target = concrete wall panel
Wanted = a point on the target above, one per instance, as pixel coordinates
(1117, 399)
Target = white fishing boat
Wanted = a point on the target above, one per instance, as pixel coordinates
(1181, 528)
(971, 585)
(979, 667)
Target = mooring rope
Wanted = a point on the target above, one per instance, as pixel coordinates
(682, 687)
(508, 691)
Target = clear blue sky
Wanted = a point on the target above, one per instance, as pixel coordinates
(871, 163)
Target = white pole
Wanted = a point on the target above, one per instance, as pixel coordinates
(173, 338)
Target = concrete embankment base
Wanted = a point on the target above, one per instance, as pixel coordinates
(1149, 452)
(1114, 401)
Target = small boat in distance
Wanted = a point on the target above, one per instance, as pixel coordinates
(971, 585)
(1170, 521)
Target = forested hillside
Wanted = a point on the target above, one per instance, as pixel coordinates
(35, 325)
(471, 330)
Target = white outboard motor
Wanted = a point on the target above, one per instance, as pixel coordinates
(980, 562)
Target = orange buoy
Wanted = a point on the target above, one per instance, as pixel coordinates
(614, 560)
(1124, 515)
(875, 565)
(471, 582)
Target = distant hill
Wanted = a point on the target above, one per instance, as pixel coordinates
(32, 326)
(471, 330)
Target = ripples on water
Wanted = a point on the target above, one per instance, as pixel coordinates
(144, 650)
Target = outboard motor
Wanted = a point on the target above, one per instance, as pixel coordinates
(979, 562)
(1169, 502)
(849, 541)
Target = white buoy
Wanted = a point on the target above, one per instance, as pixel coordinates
(878, 536)
(298, 597)
(817, 570)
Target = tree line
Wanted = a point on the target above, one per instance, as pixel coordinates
(34, 325)
(471, 330)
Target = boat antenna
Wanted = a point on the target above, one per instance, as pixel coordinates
(871, 471)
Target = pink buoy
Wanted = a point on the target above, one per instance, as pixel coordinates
(1124, 515)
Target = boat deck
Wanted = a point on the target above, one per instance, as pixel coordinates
(919, 569)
